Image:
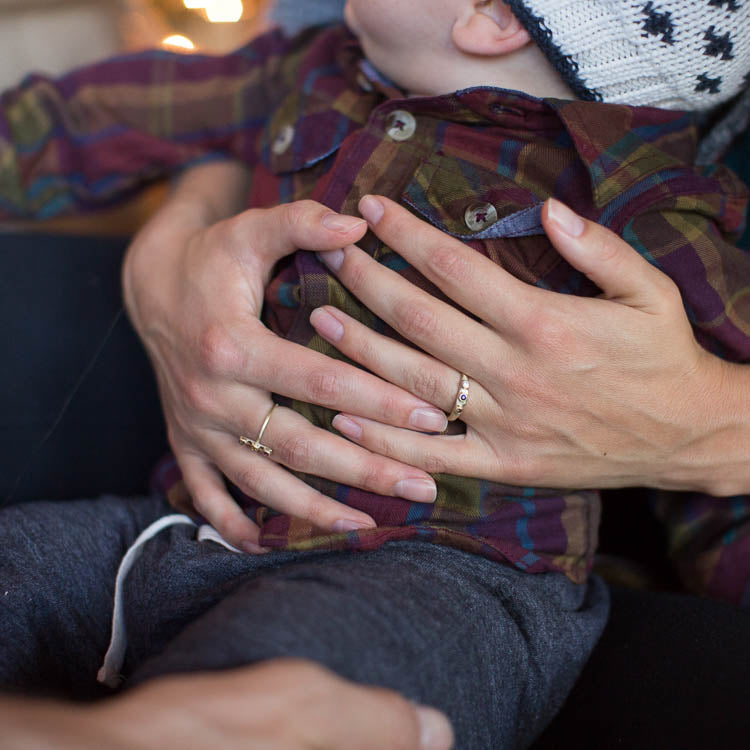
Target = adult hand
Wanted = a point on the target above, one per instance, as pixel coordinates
(279, 705)
(194, 287)
(565, 391)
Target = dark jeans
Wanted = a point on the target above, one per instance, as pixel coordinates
(79, 416)
(496, 649)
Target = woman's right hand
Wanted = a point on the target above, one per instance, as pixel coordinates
(194, 283)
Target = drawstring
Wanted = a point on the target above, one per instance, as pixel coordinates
(109, 674)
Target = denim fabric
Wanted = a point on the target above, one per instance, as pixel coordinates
(294, 15)
(497, 649)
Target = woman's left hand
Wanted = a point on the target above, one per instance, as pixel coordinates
(565, 391)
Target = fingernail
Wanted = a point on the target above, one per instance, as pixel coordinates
(344, 525)
(326, 325)
(430, 420)
(372, 209)
(418, 490)
(569, 222)
(435, 731)
(343, 224)
(347, 426)
(334, 259)
(254, 549)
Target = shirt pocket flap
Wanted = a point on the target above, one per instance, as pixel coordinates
(472, 203)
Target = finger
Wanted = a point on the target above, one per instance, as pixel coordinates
(436, 454)
(376, 718)
(273, 485)
(314, 378)
(307, 225)
(465, 276)
(299, 445)
(613, 265)
(216, 505)
(402, 365)
(434, 326)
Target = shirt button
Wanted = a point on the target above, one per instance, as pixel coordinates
(401, 125)
(479, 216)
(283, 140)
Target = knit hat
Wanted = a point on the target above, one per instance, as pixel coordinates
(674, 54)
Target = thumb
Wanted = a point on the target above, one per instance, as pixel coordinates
(302, 225)
(616, 268)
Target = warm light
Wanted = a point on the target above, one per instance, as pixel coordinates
(177, 40)
(195, 4)
(224, 11)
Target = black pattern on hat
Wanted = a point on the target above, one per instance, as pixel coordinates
(711, 85)
(731, 4)
(657, 22)
(718, 45)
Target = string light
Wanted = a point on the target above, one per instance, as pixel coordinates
(177, 40)
(224, 11)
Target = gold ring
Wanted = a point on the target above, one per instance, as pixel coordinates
(461, 398)
(255, 445)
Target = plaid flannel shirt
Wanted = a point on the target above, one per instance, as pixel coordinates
(314, 120)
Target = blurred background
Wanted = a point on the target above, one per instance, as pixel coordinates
(52, 36)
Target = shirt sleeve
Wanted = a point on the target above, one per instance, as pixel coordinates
(709, 542)
(90, 137)
(713, 274)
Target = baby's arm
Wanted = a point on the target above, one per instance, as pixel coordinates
(101, 131)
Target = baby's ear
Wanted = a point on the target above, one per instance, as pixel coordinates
(489, 28)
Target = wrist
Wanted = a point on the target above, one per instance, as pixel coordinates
(716, 456)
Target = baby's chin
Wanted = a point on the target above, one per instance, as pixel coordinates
(350, 19)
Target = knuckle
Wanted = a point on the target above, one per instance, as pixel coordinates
(668, 291)
(426, 385)
(313, 510)
(390, 408)
(322, 386)
(434, 464)
(448, 264)
(298, 214)
(296, 452)
(414, 320)
(371, 474)
(251, 479)
(197, 395)
(357, 278)
(218, 352)
(546, 330)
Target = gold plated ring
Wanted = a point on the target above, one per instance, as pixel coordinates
(462, 398)
(255, 445)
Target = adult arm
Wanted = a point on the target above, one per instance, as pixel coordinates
(606, 392)
(281, 705)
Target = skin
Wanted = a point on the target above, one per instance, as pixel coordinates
(278, 705)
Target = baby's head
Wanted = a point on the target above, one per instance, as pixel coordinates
(676, 54)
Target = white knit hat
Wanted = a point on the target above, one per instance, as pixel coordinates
(674, 54)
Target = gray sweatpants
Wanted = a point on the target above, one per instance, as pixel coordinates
(496, 649)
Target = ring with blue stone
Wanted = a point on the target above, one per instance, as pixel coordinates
(462, 398)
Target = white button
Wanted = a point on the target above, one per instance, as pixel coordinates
(479, 216)
(283, 140)
(401, 125)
